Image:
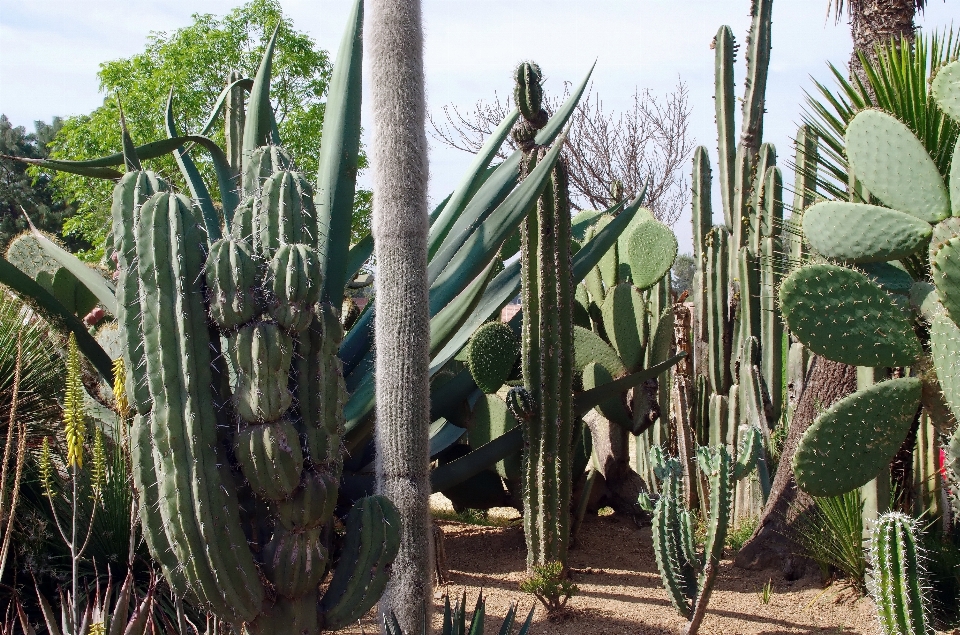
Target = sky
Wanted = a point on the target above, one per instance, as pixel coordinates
(50, 51)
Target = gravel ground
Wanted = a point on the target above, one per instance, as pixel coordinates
(620, 589)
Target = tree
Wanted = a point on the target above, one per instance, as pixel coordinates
(402, 322)
(195, 61)
(681, 274)
(18, 191)
(876, 22)
(648, 143)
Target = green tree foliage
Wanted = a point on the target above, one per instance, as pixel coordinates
(681, 275)
(19, 190)
(195, 61)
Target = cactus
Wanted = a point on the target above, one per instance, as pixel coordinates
(737, 331)
(546, 343)
(898, 584)
(280, 419)
(687, 572)
(864, 318)
(402, 324)
(491, 355)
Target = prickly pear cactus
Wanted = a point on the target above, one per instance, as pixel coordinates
(858, 313)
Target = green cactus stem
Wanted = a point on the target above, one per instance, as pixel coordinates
(546, 347)
(898, 584)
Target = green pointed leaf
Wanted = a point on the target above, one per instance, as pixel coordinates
(93, 281)
(55, 313)
(339, 155)
(259, 124)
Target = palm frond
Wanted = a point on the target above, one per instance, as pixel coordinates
(837, 7)
(899, 83)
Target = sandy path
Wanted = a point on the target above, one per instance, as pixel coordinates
(621, 593)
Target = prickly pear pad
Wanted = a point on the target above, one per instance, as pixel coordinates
(895, 166)
(854, 232)
(945, 270)
(491, 355)
(945, 349)
(843, 315)
(651, 250)
(850, 443)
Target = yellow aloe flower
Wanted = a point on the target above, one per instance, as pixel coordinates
(74, 419)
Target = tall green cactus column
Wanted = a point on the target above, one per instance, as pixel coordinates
(898, 585)
(402, 322)
(547, 341)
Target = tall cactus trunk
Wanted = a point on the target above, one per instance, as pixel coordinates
(548, 373)
(402, 324)
(547, 347)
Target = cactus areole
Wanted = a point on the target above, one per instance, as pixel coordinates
(547, 341)
(238, 395)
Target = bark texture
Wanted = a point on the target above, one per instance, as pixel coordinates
(402, 327)
(771, 545)
(874, 22)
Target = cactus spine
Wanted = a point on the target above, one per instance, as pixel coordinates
(402, 323)
(898, 582)
(220, 464)
(547, 341)
(738, 333)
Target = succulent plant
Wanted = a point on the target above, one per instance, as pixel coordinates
(738, 338)
(898, 585)
(687, 572)
(856, 311)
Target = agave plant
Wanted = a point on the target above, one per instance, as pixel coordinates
(455, 619)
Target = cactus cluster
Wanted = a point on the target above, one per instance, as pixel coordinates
(238, 397)
(688, 570)
(885, 297)
(738, 330)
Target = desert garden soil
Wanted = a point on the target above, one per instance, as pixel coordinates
(620, 589)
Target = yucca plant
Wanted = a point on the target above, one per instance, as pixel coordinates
(831, 534)
(455, 619)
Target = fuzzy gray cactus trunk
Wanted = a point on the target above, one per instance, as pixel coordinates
(402, 328)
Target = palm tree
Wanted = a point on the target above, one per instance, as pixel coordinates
(876, 22)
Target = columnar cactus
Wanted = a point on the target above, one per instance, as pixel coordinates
(738, 262)
(239, 399)
(897, 584)
(547, 341)
(687, 572)
(402, 322)
(857, 310)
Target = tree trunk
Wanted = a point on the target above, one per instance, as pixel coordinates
(877, 22)
(611, 447)
(402, 324)
(771, 545)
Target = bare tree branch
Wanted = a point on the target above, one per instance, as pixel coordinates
(648, 143)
